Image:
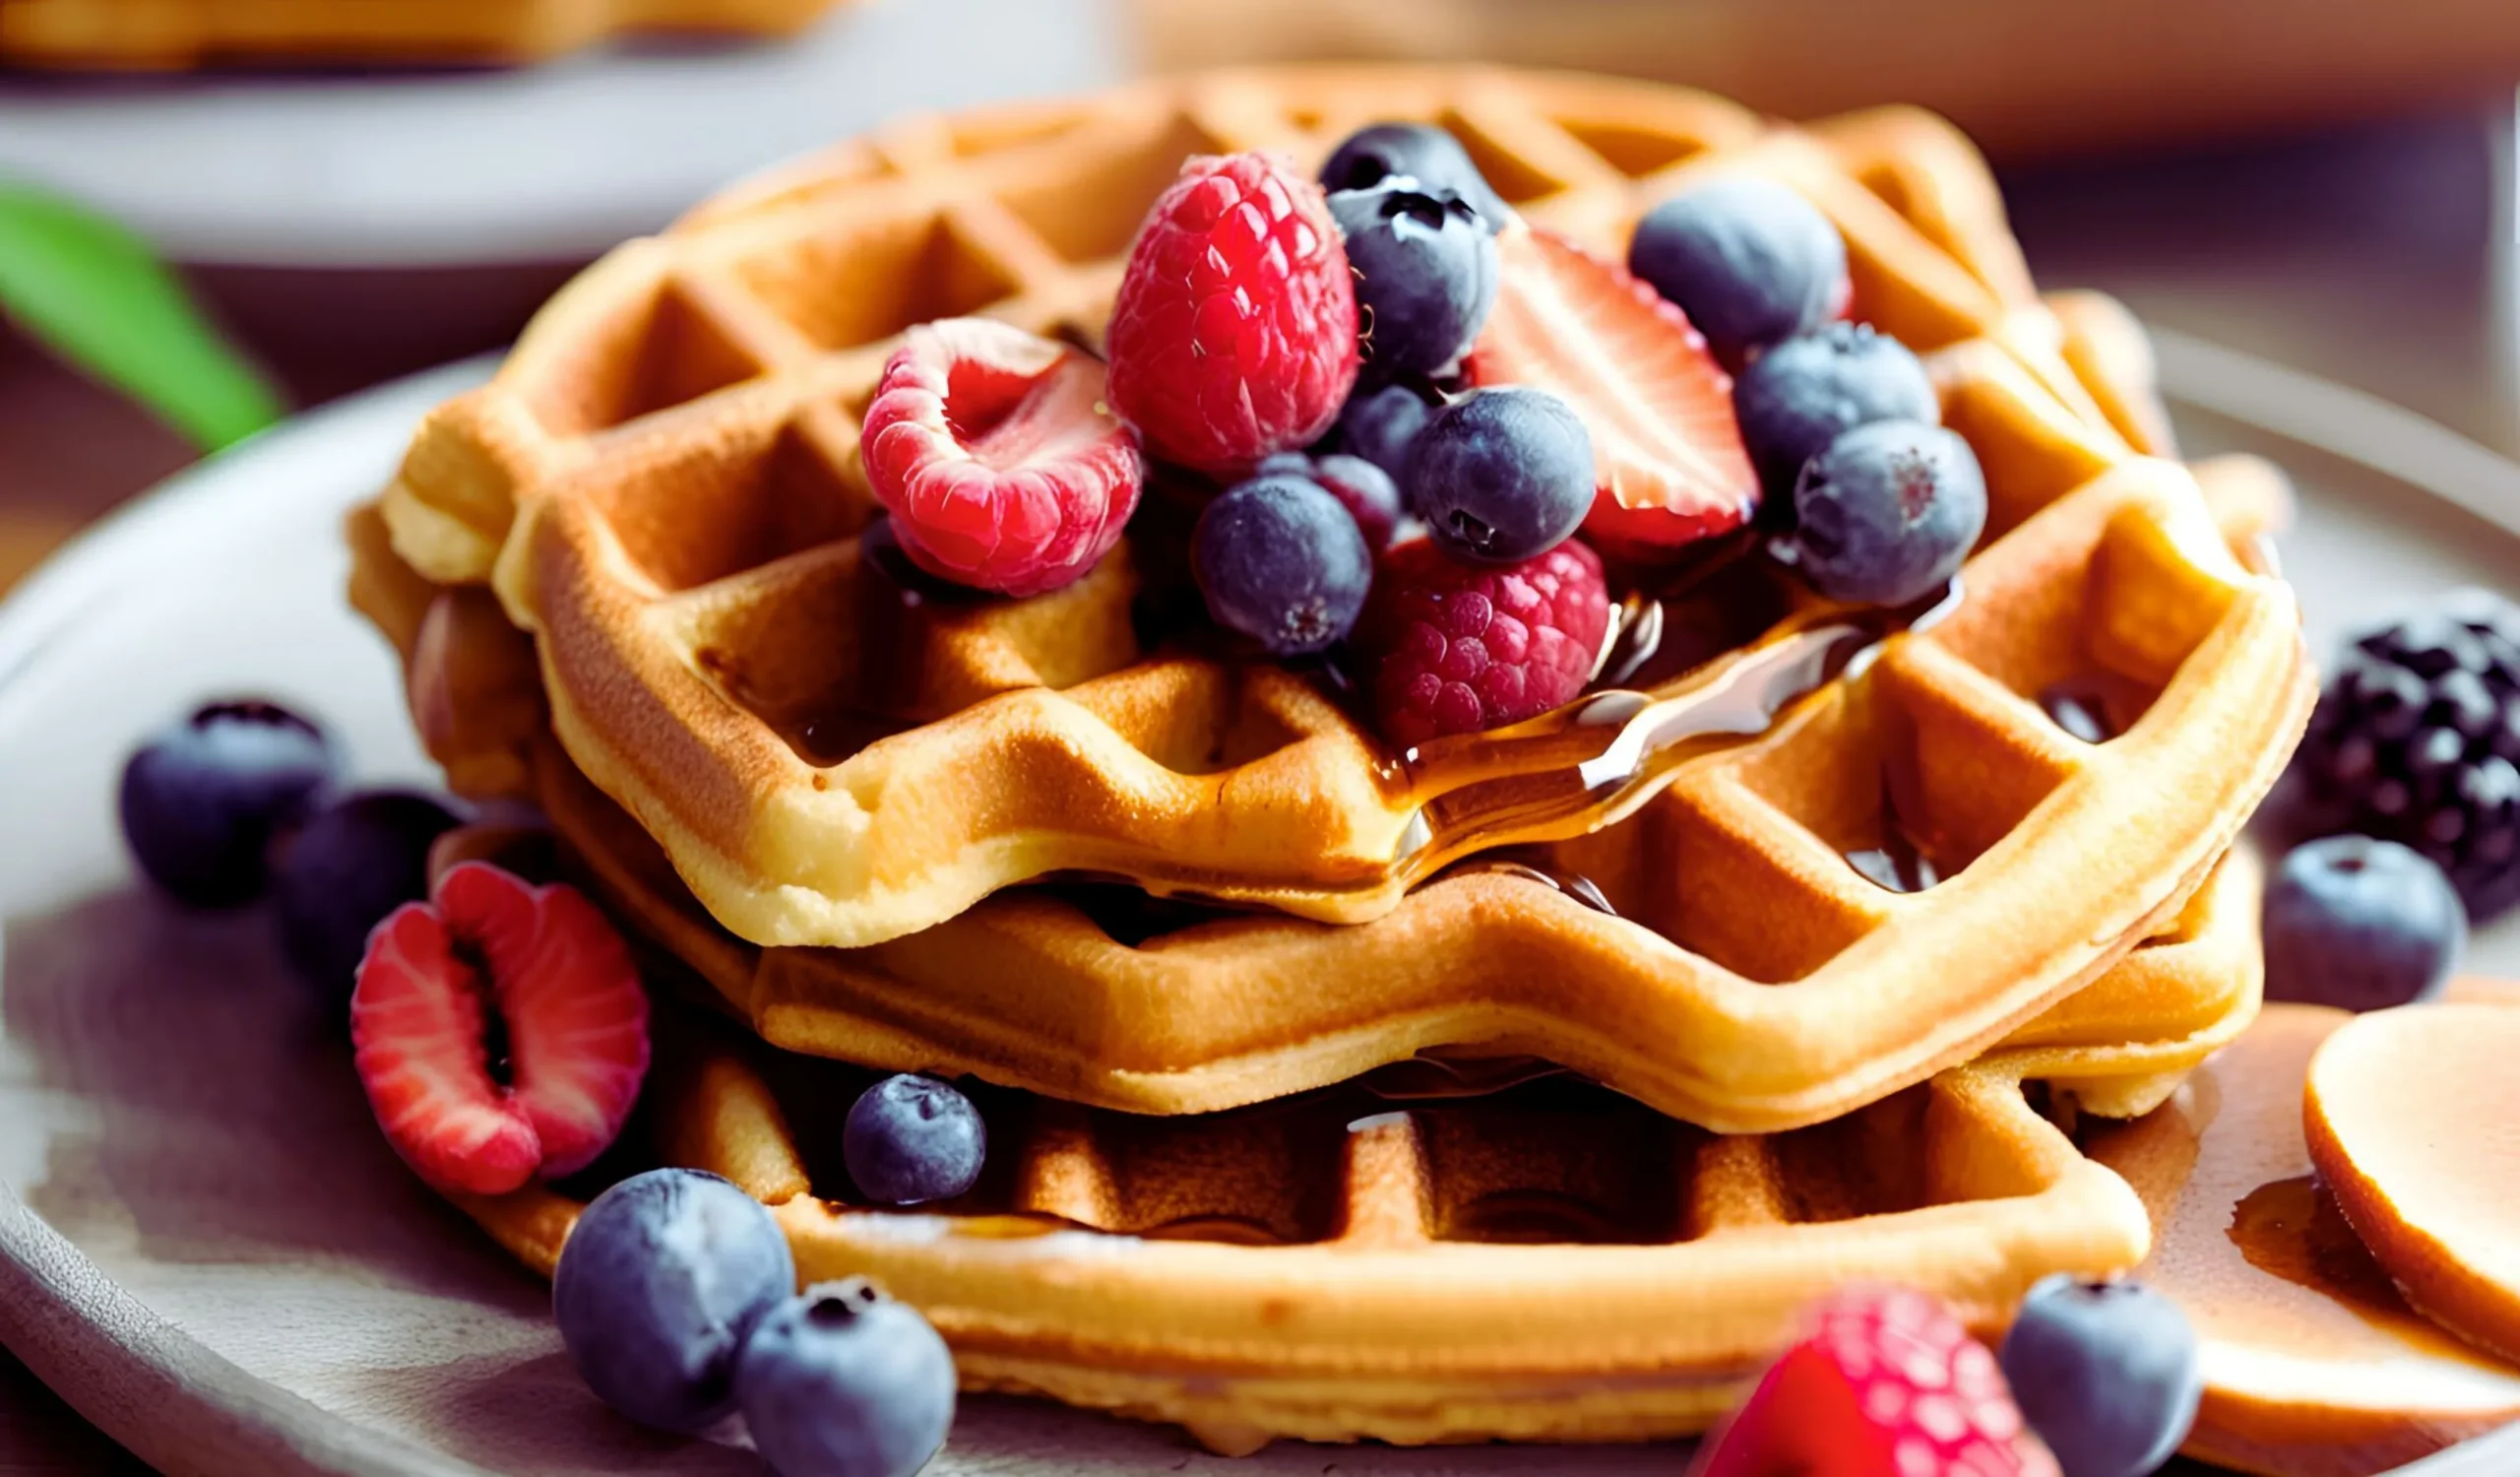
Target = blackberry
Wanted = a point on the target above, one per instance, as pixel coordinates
(2417, 739)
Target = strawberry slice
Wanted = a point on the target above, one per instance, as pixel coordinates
(1672, 466)
(1888, 1385)
(576, 1023)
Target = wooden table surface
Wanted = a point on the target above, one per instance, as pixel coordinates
(2380, 257)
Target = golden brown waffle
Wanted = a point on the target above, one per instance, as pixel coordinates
(668, 463)
(1547, 1262)
(1091, 994)
(164, 35)
(914, 1004)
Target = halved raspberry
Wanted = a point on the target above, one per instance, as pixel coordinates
(997, 458)
(1234, 333)
(1451, 648)
(562, 982)
(1888, 1385)
(1666, 447)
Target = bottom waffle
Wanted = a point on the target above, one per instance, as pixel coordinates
(1422, 1254)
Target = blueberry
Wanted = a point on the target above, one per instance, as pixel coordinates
(357, 860)
(1887, 513)
(1426, 273)
(1748, 260)
(1280, 560)
(2361, 923)
(844, 1382)
(1367, 491)
(2105, 1373)
(203, 799)
(911, 1139)
(1381, 424)
(659, 1284)
(1502, 475)
(1364, 490)
(1799, 395)
(1422, 152)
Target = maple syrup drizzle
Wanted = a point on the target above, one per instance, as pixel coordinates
(1564, 774)
(1570, 772)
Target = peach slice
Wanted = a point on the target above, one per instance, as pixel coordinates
(2414, 1120)
(2313, 1364)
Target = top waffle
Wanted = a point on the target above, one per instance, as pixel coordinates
(664, 479)
(151, 35)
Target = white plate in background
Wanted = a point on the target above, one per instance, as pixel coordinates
(557, 162)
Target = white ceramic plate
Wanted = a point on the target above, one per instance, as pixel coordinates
(552, 163)
(246, 1282)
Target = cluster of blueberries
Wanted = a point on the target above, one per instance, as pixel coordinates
(241, 800)
(676, 1298)
(1873, 500)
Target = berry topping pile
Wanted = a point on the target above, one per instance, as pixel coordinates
(2417, 739)
(1887, 1385)
(1418, 439)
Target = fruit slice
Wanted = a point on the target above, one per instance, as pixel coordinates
(576, 1024)
(2410, 1116)
(2313, 1362)
(1664, 445)
(1888, 1385)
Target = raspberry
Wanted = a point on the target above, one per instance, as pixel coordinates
(1888, 1385)
(1234, 333)
(995, 456)
(1457, 649)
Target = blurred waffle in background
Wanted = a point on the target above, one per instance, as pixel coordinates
(2021, 78)
(166, 34)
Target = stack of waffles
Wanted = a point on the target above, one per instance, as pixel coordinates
(1553, 1142)
(164, 35)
